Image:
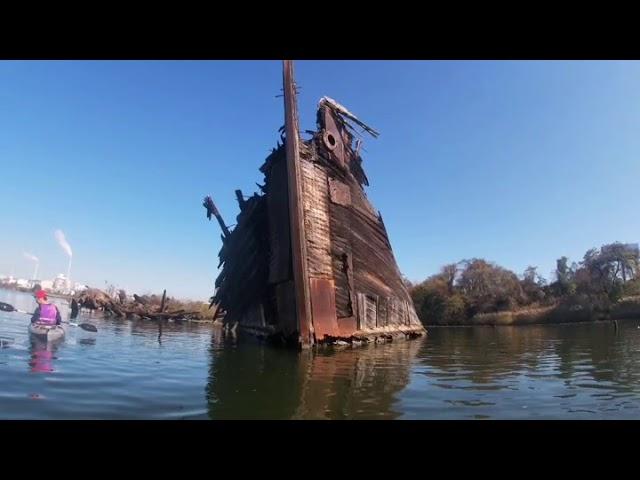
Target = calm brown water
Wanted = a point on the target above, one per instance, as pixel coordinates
(126, 371)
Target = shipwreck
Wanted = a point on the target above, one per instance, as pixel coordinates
(309, 260)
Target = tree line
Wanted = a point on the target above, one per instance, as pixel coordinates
(470, 287)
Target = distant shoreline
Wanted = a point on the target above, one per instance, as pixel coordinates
(30, 291)
(625, 309)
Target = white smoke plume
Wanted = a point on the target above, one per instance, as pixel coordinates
(30, 257)
(59, 234)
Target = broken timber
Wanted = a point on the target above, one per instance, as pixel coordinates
(309, 260)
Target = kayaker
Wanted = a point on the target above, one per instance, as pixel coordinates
(46, 313)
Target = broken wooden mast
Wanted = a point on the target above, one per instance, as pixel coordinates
(296, 212)
(212, 210)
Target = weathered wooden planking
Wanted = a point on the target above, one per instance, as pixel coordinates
(374, 265)
(361, 203)
(316, 220)
(254, 316)
(367, 311)
(364, 239)
(382, 311)
(339, 192)
(401, 313)
(341, 277)
(242, 283)
(286, 307)
(278, 212)
(371, 311)
(341, 247)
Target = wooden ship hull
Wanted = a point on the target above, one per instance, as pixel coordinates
(309, 260)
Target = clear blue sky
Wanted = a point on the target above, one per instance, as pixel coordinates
(515, 162)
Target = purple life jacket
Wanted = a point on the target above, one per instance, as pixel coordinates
(48, 314)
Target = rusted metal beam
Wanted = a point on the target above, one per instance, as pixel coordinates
(296, 213)
(323, 305)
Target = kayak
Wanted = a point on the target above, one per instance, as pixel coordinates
(46, 333)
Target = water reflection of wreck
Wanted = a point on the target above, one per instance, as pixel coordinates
(345, 383)
(309, 260)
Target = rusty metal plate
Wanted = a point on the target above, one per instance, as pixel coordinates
(332, 138)
(347, 326)
(339, 192)
(323, 308)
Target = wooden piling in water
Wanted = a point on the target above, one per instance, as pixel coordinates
(164, 297)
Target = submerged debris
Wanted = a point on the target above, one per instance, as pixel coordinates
(150, 307)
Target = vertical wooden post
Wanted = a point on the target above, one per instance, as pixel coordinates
(296, 212)
(164, 296)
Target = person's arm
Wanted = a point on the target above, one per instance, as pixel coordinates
(58, 317)
(36, 315)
